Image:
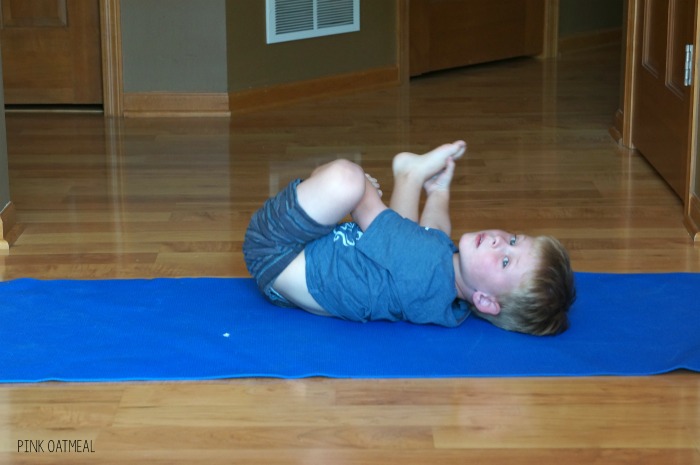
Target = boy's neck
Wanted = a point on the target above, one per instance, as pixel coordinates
(460, 284)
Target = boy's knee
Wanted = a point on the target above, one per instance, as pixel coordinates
(347, 169)
(347, 175)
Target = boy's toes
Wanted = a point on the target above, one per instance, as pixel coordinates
(453, 150)
(460, 148)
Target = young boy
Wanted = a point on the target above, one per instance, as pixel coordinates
(392, 263)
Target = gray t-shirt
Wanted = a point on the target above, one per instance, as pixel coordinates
(397, 270)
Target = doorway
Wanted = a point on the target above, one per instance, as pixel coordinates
(447, 34)
(51, 45)
(662, 110)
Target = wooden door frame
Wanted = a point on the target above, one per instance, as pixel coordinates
(625, 117)
(112, 72)
(402, 41)
(692, 200)
(550, 47)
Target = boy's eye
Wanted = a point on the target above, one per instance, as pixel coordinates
(513, 240)
(506, 260)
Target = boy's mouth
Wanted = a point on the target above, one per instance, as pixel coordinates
(479, 239)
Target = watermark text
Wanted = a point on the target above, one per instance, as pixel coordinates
(55, 446)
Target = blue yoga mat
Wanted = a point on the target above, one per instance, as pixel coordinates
(211, 328)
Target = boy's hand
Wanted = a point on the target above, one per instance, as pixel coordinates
(442, 180)
(375, 184)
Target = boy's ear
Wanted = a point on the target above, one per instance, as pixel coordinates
(486, 303)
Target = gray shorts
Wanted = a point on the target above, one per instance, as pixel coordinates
(277, 233)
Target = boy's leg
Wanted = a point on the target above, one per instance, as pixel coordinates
(436, 211)
(332, 191)
(411, 172)
(279, 231)
(341, 187)
(338, 189)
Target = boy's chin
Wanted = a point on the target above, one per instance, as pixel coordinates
(467, 242)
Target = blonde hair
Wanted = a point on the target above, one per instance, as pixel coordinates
(540, 305)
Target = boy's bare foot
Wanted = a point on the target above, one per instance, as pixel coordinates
(424, 167)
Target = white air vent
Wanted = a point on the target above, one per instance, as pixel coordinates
(301, 19)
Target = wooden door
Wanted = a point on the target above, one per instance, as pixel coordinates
(51, 51)
(450, 33)
(662, 100)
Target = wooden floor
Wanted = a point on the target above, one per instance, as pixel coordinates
(144, 198)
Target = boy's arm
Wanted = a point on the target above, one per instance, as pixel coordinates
(436, 213)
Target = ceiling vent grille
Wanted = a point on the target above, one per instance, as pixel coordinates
(301, 19)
